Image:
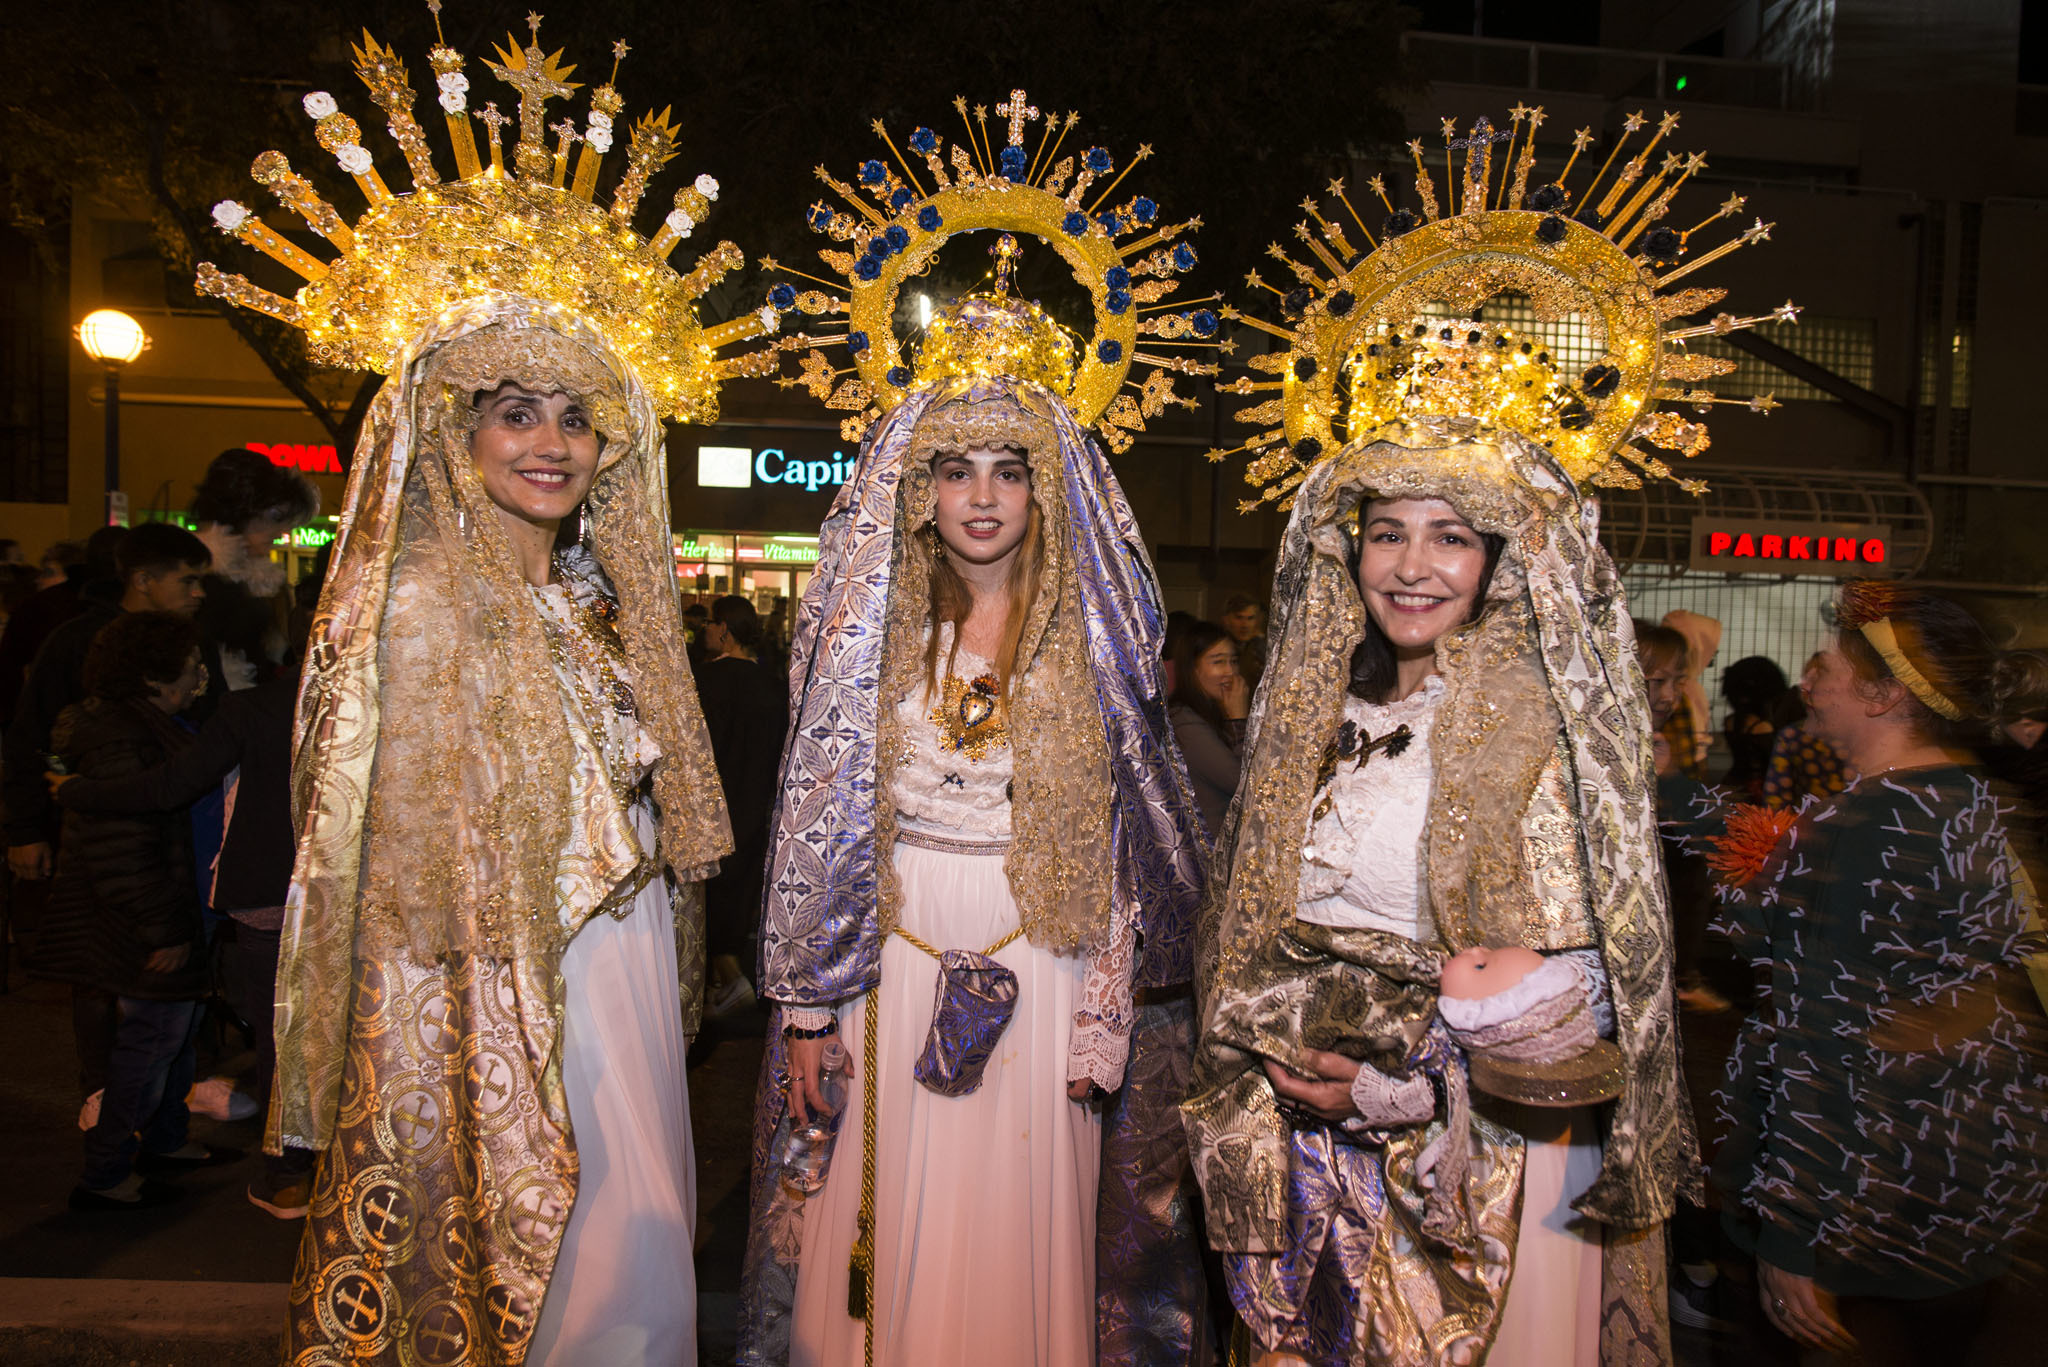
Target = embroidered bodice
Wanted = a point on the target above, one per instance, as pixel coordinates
(614, 752)
(954, 778)
(1361, 860)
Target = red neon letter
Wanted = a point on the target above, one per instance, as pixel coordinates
(1873, 552)
(1718, 543)
(1774, 547)
(1746, 545)
(1845, 548)
(1799, 548)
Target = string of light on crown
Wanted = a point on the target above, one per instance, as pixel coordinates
(1367, 343)
(530, 229)
(896, 220)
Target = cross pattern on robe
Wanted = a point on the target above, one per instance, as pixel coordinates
(483, 1076)
(509, 1313)
(423, 1116)
(537, 1216)
(441, 1333)
(1019, 114)
(386, 1215)
(363, 1306)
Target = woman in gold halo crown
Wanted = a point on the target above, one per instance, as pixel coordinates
(1436, 979)
(492, 948)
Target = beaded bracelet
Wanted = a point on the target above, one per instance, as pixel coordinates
(798, 1032)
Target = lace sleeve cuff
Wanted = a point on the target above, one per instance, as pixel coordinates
(1101, 1044)
(808, 1017)
(1387, 1102)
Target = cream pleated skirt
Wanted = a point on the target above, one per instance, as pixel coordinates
(985, 1204)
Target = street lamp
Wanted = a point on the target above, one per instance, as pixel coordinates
(113, 339)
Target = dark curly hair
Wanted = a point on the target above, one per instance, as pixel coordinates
(242, 485)
(138, 649)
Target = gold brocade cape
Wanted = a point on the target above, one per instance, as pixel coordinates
(432, 761)
(1544, 725)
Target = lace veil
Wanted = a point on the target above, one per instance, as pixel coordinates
(1552, 654)
(431, 773)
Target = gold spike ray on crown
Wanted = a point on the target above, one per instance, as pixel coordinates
(1367, 342)
(530, 229)
(897, 216)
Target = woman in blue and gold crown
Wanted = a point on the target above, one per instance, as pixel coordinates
(492, 948)
(1436, 1113)
(986, 856)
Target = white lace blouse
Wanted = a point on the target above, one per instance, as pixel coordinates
(1361, 863)
(942, 790)
(1362, 860)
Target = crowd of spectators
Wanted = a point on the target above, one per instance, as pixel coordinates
(147, 681)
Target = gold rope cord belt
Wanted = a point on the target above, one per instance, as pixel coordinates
(860, 1267)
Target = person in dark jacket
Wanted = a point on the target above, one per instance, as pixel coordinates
(249, 737)
(746, 709)
(160, 567)
(65, 572)
(243, 504)
(1208, 705)
(124, 912)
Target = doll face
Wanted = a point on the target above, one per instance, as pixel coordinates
(981, 504)
(535, 453)
(1419, 569)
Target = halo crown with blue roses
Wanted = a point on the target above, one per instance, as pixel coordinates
(896, 217)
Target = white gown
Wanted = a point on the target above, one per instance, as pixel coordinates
(624, 1290)
(985, 1204)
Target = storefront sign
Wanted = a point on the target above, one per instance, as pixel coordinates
(1735, 545)
(741, 467)
(311, 460)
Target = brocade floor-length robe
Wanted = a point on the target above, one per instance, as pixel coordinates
(478, 1206)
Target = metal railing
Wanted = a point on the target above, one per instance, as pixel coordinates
(1610, 73)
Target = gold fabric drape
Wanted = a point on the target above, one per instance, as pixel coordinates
(432, 769)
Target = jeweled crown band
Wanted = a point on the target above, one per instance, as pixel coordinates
(1886, 642)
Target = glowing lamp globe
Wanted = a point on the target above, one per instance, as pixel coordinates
(111, 337)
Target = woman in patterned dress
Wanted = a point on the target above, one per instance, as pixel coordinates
(492, 949)
(1889, 1094)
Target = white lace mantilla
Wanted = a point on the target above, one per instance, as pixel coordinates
(942, 790)
(1361, 863)
(614, 752)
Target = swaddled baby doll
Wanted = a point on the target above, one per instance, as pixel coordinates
(1531, 1028)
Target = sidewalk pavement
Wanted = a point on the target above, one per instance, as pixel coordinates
(202, 1281)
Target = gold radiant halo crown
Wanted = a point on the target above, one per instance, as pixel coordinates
(1368, 342)
(531, 229)
(893, 224)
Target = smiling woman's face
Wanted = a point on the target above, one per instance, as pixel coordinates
(981, 503)
(536, 454)
(1419, 569)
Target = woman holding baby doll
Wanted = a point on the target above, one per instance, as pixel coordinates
(1436, 1111)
